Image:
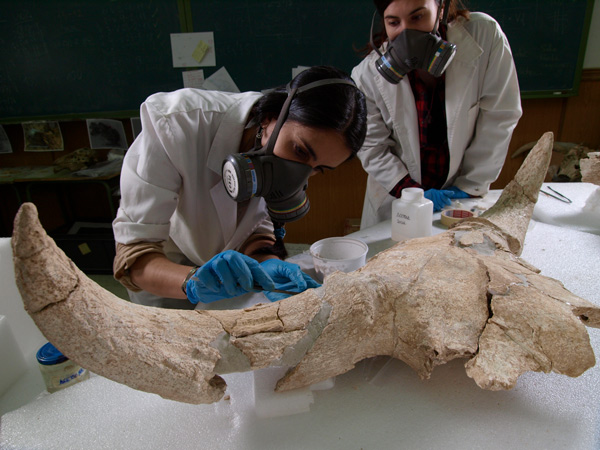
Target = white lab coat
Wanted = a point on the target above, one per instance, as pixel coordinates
(171, 188)
(483, 107)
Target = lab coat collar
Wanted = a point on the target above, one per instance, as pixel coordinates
(393, 95)
(228, 136)
(467, 49)
(227, 141)
(460, 74)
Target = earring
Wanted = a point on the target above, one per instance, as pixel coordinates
(259, 133)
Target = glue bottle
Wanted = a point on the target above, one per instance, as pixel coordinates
(412, 215)
(57, 370)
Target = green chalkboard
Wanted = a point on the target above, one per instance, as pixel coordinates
(71, 57)
(259, 42)
(76, 58)
(548, 40)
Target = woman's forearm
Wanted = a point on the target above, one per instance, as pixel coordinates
(156, 274)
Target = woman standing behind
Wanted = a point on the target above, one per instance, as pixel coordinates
(445, 130)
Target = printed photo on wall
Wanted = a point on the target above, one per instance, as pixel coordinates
(42, 136)
(106, 133)
(5, 146)
(136, 126)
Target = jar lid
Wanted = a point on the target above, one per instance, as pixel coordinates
(49, 355)
(412, 194)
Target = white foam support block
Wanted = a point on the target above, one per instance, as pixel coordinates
(570, 256)
(582, 214)
(12, 363)
(26, 333)
(269, 403)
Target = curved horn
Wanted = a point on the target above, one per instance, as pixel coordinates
(513, 210)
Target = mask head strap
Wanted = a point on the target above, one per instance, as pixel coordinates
(286, 106)
(446, 11)
(371, 35)
(444, 18)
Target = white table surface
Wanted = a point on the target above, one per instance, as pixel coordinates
(381, 404)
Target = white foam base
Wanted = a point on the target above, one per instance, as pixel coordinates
(380, 404)
(268, 403)
(26, 333)
(12, 363)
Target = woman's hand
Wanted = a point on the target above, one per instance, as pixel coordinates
(439, 197)
(226, 275)
(444, 197)
(287, 276)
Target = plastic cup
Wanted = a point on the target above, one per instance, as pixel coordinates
(338, 254)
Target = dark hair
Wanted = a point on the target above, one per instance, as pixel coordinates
(457, 8)
(339, 107)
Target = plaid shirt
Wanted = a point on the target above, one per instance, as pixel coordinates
(433, 135)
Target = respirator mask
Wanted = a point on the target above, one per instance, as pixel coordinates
(414, 49)
(260, 173)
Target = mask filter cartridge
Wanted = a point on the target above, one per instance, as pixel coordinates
(281, 182)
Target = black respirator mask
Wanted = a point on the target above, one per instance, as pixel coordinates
(259, 173)
(414, 49)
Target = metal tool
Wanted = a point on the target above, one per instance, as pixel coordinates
(259, 288)
(562, 198)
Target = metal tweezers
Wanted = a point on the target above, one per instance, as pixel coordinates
(259, 288)
(562, 198)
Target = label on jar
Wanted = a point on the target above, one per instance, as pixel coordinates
(59, 376)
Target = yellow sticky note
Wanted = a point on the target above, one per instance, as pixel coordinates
(84, 248)
(200, 51)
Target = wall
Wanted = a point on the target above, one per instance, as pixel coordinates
(592, 53)
(338, 195)
(572, 119)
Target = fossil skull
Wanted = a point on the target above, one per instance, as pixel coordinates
(464, 293)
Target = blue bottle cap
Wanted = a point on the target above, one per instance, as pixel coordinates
(49, 355)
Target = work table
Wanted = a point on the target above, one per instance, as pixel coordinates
(380, 404)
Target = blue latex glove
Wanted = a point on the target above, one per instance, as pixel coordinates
(226, 275)
(287, 276)
(458, 193)
(439, 197)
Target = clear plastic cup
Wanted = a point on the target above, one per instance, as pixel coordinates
(341, 254)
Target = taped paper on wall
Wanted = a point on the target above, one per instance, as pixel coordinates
(193, 49)
(220, 81)
(193, 78)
